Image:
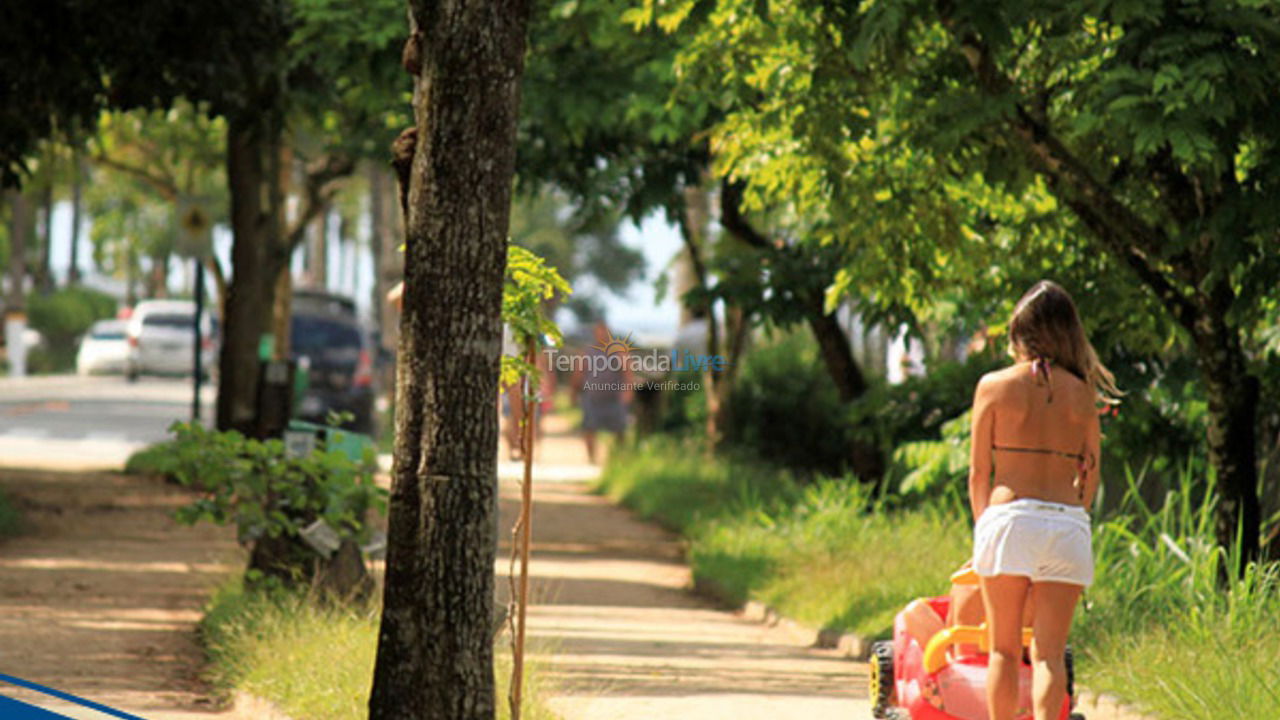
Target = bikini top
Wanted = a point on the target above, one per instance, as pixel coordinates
(1040, 366)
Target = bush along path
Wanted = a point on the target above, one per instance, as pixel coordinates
(617, 633)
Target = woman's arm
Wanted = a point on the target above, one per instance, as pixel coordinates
(981, 437)
(1093, 451)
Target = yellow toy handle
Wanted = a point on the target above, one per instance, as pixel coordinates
(935, 655)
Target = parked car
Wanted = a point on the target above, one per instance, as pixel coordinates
(328, 342)
(162, 340)
(104, 349)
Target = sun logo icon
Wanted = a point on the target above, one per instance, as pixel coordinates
(615, 344)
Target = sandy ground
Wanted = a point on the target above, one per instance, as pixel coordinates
(100, 595)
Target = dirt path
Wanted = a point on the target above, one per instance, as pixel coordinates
(622, 638)
(100, 595)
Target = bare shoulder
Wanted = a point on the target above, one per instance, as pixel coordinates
(997, 382)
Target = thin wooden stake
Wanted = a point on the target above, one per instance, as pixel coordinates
(525, 533)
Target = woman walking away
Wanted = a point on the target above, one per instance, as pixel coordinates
(1033, 475)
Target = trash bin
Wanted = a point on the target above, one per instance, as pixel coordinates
(302, 438)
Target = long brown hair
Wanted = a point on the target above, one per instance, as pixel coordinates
(1045, 325)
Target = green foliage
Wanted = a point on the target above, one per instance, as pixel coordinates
(577, 244)
(254, 485)
(63, 316)
(312, 660)
(932, 466)
(529, 283)
(159, 459)
(785, 407)
(595, 117)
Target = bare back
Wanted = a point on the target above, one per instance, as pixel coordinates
(1033, 437)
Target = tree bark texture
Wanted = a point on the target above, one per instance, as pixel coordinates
(250, 292)
(435, 643)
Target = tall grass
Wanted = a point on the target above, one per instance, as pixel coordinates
(1162, 628)
(313, 662)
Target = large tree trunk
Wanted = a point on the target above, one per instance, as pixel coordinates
(251, 289)
(435, 646)
(1232, 441)
(837, 354)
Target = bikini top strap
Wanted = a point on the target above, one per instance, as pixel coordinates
(1041, 365)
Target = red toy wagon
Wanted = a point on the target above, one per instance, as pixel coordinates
(933, 672)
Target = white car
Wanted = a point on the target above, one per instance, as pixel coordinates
(161, 336)
(104, 349)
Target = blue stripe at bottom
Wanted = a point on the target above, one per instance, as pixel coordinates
(11, 707)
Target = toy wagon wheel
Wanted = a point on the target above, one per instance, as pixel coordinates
(1070, 662)
(880, 684)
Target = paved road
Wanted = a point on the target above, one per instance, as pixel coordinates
(86, 423)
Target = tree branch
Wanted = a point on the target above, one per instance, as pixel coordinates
(318, 188)
(162, 184)
(1128, 237)
(733, 220)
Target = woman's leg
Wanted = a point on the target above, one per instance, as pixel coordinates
(1055, 603)
(1003, 596)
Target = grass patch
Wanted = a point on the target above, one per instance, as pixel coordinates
(1157, 628)
(826, 552)
(10, 518)
(313, 662)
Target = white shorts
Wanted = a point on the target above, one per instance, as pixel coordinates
(1044, 541)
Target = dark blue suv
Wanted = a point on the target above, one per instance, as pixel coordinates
(328, 342)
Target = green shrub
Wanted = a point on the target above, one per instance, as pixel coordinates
(10, 519)
(62, 317)
(888, 416)
(785, 408)
(270, 496)
(159, 459)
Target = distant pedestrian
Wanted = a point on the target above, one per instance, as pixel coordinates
(603, 386)
(512, 405)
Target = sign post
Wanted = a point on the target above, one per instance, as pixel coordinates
(194, 241)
